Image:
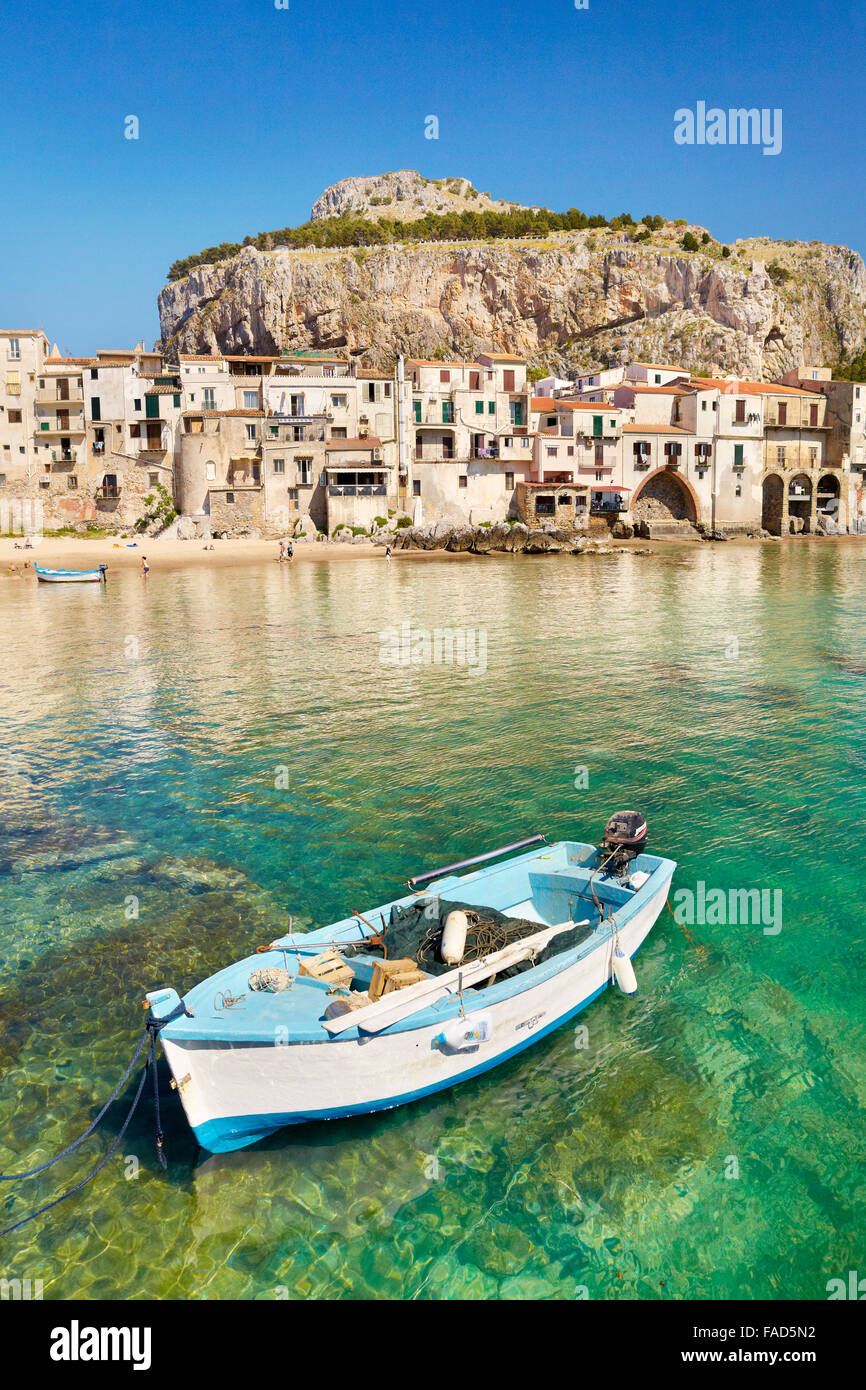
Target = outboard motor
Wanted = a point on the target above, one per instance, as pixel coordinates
(625, 837)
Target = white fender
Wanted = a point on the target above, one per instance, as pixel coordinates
(624, 971)
(454, 937)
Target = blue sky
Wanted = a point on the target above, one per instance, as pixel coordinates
(247, 112)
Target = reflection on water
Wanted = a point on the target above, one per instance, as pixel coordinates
(149, 837)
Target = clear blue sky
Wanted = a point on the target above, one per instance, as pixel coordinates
(247, 112)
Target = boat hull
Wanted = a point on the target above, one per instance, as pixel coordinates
(69, 576)
(237, 1093)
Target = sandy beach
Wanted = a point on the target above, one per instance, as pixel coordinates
(72, 552)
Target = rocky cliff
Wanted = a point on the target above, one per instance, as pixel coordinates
(406, 195)
(566, 301)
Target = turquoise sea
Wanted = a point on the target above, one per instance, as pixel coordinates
(189, 758)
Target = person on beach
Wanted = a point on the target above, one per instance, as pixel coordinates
(388, 553)
(145, 567)
(282, 554)
(290, 552)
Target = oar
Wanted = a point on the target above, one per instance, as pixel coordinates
(393, 1007)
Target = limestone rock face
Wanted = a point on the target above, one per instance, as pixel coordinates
(405, 195)
(567, 301)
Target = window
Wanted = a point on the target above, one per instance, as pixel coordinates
(813, 458)
(508, 442)
(515, 412)
(250, 433)
(340, 402)
(703, 405)
(657, 378)
(96, 408)
(230, 497)
(613, 424)
(176, 399)
(552, 451)
(740, 412)
(15, 417)
(94, 373)
(570, 451)
(305, 471)
(279, 465)
(783, 412)
(416, 487)
(738, 455)
(251, 400)
(386, 388)
(417, 406)
(474, 381)
(479, 407)
(813, 414)
(598, 476)
(508, 380)
(509, 482)
(738, 491)
(780, 454)
(448, 412)
(208, 399)
(136, 405)
(597, 425)
(461, 481)
(339, 432)
(14, 349)
(444, 376)
(210, 472)
(13, 384)
(71, 482)
(491, 408)
(329, 371)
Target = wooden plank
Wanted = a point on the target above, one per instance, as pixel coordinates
(390, 1009)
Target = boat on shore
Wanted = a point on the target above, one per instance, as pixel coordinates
(47, 576)
(415, 995)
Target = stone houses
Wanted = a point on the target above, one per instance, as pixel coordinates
(265, 442)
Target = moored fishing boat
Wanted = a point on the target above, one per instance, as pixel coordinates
(410, 997)
(47, 576)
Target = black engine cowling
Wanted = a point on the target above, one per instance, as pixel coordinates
(625, 837)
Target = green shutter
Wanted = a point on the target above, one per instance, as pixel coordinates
(491, 407)
(151, 407)
(176, 401)
(597, 426)
(417, 412)
(479, 407)
(738, 455)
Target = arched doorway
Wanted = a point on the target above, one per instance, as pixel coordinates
(665, 496)
(827, 497)
(772, 503)
(799, 503)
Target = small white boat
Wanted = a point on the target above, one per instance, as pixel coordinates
(411, 997)
(46, 576)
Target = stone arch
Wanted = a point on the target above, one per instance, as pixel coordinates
(665, 495)
(799, 503)
(772, 503)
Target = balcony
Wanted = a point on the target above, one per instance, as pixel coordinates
(424, 454)
(485, 454)
(49, 427)
(107, 494)
(49, 395)
(62, 456)
(357, 490)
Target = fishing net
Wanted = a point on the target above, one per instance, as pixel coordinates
(416, 931)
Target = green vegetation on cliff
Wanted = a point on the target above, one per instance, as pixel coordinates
(339, 232)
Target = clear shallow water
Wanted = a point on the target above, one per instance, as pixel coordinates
(599, 1167)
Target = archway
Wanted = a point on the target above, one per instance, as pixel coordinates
(799, 503)
(772, 503)
(666, 496)
(828, 496)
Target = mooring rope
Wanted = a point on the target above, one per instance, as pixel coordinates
(151, 1032)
